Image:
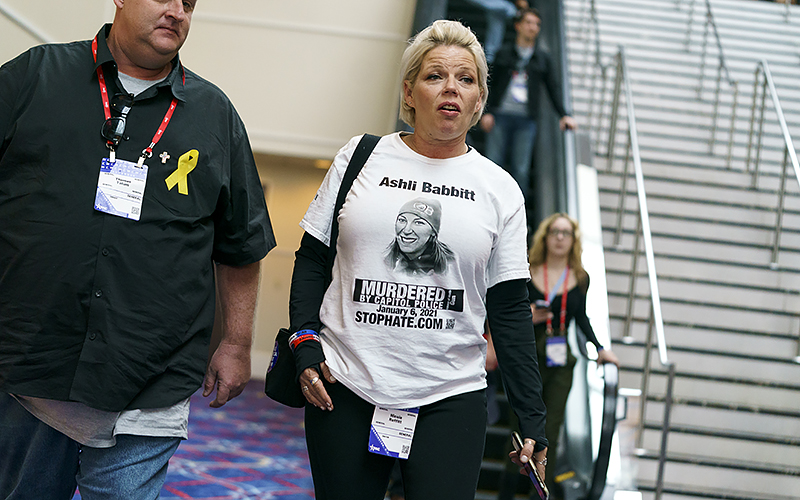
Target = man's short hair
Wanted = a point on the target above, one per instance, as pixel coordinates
(521, 13)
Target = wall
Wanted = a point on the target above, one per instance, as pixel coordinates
(305, 75)
(291, 184)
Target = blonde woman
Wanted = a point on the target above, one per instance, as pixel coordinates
(382, 346)
(557, 292)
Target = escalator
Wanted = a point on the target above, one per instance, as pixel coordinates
(587, 447)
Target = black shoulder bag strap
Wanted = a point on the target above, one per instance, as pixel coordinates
(360, 156)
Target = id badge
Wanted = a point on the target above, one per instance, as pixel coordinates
(391, 431)
(519, 87)
(556, 350)
(120, 188)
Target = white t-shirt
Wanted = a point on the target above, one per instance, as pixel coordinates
(402, 330)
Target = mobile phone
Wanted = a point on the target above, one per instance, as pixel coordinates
(536, 479)
(542, 304)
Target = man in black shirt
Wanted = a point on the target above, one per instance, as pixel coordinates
(127, 188)
(518, 73)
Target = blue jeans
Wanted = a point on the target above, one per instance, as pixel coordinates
(510, 145)
(40, 463)
(497, 13)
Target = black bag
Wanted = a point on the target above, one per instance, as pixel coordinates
(281, 375)
(281, 384)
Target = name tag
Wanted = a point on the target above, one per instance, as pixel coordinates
(519, 87)
(392, 431)
(556, 350)
(120, 188)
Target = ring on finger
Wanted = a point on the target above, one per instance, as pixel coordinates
(314, 380)
(305, 388)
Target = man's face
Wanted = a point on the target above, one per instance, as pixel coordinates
(529, 26)
(159, 26)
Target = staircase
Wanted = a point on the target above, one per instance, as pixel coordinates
(731, 319)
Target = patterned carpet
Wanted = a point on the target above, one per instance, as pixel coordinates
(252, 448)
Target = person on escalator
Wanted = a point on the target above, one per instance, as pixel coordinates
(557, 292)
(520, 72)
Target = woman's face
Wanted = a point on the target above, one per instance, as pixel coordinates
(412, 233)
(446, 94)
(560, 237)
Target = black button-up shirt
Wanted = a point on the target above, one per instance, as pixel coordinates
(96, 308)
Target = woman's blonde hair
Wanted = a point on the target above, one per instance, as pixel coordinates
(538, 253)
(441, 33)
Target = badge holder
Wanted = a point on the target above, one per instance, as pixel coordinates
(392, 431)
(120, 188)
(556, 351)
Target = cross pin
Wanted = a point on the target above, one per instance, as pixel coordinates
(164, 157)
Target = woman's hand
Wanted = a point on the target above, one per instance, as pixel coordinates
(313, 388)
(606, 356)
(540, 314)
(524, 456)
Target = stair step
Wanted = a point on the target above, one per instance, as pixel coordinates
(719, 315)
(720, 447)
(744, 254)
(705, 475)
(725, 433)
(715, 365)
(717, 354)
(693, 190)
(677, 491)
(712, 337)
(706, 268)
(775, 426)
(707, 210)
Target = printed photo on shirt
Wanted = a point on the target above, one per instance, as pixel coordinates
(416, 248)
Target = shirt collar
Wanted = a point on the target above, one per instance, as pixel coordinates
(174, 80)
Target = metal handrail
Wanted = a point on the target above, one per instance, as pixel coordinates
(722, 67)
(789, 153)
(598, 69)
(22, 23)
(608, 427)
(622, 83)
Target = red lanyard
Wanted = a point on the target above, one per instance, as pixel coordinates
(148, 151)
(563, 316)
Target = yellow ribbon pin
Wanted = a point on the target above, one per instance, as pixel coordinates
(186, 164)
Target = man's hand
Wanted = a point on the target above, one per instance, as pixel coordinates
(487, 122)
(568, 123)
(229, 371)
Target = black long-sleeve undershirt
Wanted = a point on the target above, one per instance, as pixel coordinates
(309, 281)
(509, 314)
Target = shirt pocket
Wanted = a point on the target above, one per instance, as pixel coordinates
(183, 187)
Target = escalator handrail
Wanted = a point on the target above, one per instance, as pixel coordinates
(608, 427)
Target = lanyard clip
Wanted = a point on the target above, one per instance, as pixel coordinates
(146, 153)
